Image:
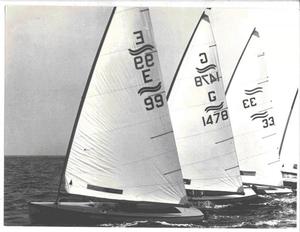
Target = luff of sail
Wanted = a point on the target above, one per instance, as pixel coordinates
(124, 147)
(253, 119)
(200, 118)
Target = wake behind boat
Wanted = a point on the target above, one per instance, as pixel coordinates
(122, 149)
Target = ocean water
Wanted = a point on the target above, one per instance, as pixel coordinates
(36, 179)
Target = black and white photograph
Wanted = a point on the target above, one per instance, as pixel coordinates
(150, 114)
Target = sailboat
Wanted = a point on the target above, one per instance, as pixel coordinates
(201, 123)
(254, 121)
(289, 161)
(122, 150)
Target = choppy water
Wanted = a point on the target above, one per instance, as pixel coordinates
(36, 179)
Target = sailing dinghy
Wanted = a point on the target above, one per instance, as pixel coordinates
(201, 123)
(290, 161)
(253, 120)
(122, 148)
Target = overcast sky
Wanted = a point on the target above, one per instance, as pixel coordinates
(49, 52)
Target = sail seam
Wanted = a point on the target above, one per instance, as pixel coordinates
(259, 83)
(267, 136)
(153, 137)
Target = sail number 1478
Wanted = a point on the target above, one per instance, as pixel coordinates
(215, 117)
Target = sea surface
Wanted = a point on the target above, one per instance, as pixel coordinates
(36, 179)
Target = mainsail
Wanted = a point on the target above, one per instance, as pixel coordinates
(124, 147)
(200, 117)
(289, 147)
(253, 120)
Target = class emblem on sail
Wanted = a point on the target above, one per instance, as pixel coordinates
(253, 120)
(124, 147)
(200, 118)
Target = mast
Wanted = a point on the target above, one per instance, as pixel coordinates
(229, 83)
(81, 103)
(287, 122)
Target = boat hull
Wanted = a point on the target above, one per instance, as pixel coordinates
(228, 198)
(263, 190)
(290, 184)
(289, 178)
(92, 214)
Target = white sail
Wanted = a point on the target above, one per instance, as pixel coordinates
(124, 146)
(252, 115)
(289, 154)
(200, 120)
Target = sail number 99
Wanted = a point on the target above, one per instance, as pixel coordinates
(139, 61)
(214, 118)
(154, 101)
